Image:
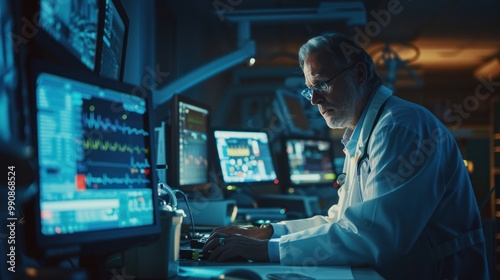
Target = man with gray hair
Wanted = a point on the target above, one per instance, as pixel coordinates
(406, 206)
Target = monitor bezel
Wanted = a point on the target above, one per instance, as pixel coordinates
(285, 164)
(102, 16)
(273, 182)
(91, 242)
(173, 156)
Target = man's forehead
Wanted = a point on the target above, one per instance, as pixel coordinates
(317, 67)
(312, 72)
(318, 63)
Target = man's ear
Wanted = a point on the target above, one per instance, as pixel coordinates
(361, 73)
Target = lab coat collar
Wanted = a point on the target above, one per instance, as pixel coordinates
(372, 109)
(359, 136)
(350, 144)
(351, 139)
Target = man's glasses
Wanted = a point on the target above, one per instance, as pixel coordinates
(321, 87)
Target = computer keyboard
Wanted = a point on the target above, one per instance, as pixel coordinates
(199, 243)
(187, 236)
(194, 251)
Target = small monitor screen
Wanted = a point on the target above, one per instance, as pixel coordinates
(113, 41)
(193, 146)
(310, 161)
(72, 23)
(93, 158)
(245, 156)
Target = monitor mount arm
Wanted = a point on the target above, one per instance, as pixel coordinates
(350, 12)
(246, 49)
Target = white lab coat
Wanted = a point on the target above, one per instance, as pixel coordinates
(407, 207)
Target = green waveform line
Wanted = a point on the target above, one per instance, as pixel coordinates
(90, 144)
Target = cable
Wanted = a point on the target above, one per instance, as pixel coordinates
(71, 263)
(166, 190)
(189, 210)
(487, 198)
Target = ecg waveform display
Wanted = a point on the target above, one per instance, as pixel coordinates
(245, 157)
(73, 23)
(93, 157)
(91, 121)
(112, 139)
(193, 148)
(310, 161)
(104, 180)
(137, 164)
(113, 146)
(193, 118)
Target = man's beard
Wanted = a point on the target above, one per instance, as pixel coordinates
(345, 113)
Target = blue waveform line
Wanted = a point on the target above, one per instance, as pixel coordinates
(98, 123)
(135, 164)
(90, 162)
(105, 180)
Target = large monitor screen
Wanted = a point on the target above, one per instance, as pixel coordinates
(309, 161)
(244, 156)
(94, 161)
(74, 25)
(190, 125)
(114, 40)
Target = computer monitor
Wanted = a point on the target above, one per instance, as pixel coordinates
(309, 161)
(189, 164)
(10, 110)
(113, 42)
(68, 29)
(245, 157)
(96, 189)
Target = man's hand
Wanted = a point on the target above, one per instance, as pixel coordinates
(253, 232)
(230, 247)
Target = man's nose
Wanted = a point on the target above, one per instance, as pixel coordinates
(316, 97)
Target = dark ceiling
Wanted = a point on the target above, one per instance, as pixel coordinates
(442, 43)
(459, 31)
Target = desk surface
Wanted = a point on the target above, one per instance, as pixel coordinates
(205, 270)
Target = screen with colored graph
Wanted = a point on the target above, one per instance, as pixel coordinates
(94, 159)
(309, 161)
(189, 150)
(245, 156)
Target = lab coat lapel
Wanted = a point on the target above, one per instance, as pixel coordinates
(373, 107)
(351, 187)
(358, 171)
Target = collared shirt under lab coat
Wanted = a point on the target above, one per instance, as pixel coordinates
(407, 207)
